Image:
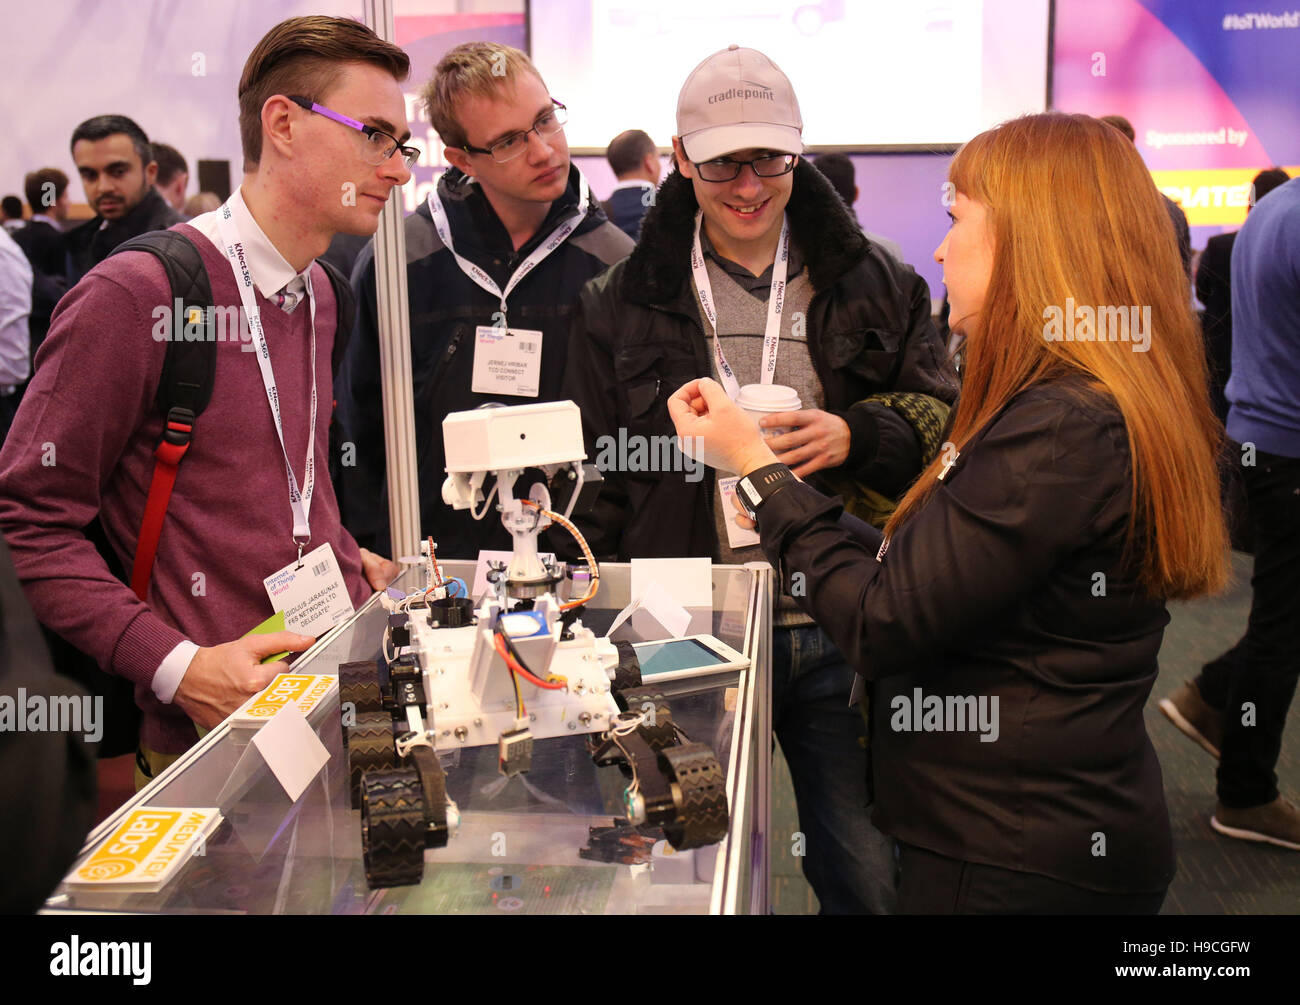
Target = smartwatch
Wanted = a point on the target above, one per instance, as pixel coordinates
(760, 485)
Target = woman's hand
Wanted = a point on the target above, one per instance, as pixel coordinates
(713, 429)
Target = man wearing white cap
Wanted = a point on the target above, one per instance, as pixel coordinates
(751, 270)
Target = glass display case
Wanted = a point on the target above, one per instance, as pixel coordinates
(534, 843)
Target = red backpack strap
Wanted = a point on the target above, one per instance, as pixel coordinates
(185, 386)
(167, 458)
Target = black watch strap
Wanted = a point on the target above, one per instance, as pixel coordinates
(760, 485)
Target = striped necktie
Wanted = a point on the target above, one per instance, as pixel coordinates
(291, 296)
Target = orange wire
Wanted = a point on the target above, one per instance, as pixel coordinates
(582, 541)
(500, 646)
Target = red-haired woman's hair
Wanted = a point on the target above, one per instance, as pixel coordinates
(1075, 215)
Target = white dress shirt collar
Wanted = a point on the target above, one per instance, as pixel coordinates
(271, 273)
(632, 183)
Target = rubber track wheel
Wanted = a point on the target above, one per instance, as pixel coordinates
(392, 827)
(369, 747)
(628, 673)
(703, 817)
(661, 735)
(359, 684)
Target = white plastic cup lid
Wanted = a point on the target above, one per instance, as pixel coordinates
(768, 398)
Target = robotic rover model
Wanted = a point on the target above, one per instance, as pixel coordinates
(520, 667)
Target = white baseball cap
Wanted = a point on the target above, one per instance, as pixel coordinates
(738, 99)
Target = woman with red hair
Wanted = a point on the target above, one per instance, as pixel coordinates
(1007, 622)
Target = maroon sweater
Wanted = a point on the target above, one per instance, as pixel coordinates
(82, 444)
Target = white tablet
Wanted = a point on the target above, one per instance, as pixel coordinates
(690, 656)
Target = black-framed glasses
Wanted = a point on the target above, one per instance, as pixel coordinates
(509, 147)
(379, 145)
(727, 169)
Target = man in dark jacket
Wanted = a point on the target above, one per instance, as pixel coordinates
(635, 162)
(47, 778)
(1214, 290)
(44, 244)
(846, 322)
(116, 164)
(483, 259)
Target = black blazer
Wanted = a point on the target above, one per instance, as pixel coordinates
(1007, 584)
(44, 247)
(1214, 290)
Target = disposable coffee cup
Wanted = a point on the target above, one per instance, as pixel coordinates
(758, 400)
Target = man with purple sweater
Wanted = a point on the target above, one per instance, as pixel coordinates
(322, 120)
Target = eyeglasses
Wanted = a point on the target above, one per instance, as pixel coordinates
(379, 145)
(509, 147)
(726, 169)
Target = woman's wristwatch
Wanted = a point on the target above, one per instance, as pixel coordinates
(760, 485)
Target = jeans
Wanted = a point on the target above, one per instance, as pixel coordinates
(1254, 681)
(849, 864)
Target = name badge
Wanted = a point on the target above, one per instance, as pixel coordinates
(312, 594)
(507, 361)
(737, 536)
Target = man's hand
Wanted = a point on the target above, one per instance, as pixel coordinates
(820, 440)
(714, 430)
(221, 678)
(379, 571)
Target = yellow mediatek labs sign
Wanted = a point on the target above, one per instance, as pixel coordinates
(1211, 198)
(147, 846)
(303, 689)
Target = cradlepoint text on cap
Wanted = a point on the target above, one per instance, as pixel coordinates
(764, 94)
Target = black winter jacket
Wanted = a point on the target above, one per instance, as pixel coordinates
(638, 337)
(446, 307)
(88, 245)
(1007, 584)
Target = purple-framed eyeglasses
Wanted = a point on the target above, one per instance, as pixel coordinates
(379, 145)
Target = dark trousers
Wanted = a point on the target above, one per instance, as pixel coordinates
(848, 863)
(934, 884)
(1254, 681)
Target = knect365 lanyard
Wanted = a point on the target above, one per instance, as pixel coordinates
(480, 277)
(299, 502)
(775, 302)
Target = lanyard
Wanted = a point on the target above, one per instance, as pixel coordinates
(299, 502)
(775, 302)
(485, 281)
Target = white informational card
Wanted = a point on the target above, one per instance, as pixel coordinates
(689, 581)
(291, 749)
(310, 592)
(507, 361)
(652, 615)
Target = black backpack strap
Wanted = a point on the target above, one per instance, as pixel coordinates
(347, 312)
(189, 367)
(185, 388)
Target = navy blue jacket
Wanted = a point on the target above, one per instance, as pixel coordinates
(626, 207)
(1265, 382)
